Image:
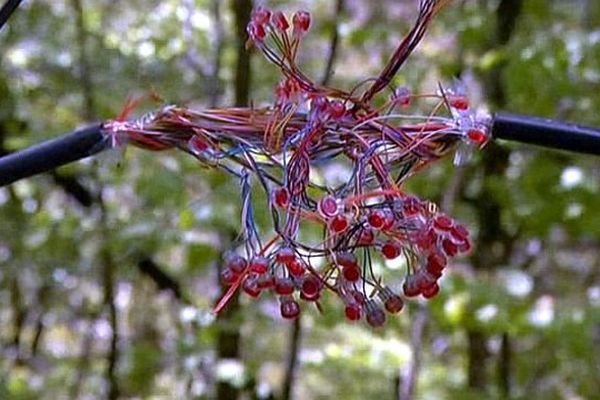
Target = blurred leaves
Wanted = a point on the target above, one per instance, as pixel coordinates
(166, 207)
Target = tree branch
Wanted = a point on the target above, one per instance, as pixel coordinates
(333, 44)
(72, 186)
(42, 294)
(85, 70)
(163, 281)
(19, 311)
(108, 278)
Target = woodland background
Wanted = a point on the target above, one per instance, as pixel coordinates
(108, 268)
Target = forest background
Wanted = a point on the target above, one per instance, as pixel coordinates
(109, 267)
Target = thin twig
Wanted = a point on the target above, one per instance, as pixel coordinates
(19, 311)
(42, 294)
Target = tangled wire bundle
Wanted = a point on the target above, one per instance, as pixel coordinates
(369, 216)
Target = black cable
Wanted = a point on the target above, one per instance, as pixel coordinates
(49, 155)
(88, 141)
(546, 132)
(7, 9)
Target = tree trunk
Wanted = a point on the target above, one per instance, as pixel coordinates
(242, 10)
(504, 366)
(108, 283)
(493, 243)
(85, 74)
(228, 338)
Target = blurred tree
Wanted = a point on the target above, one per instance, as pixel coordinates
(230, 320)
(494, 243)
(107, 269)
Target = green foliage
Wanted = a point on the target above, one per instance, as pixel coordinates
(145, 365)
(545, 294)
